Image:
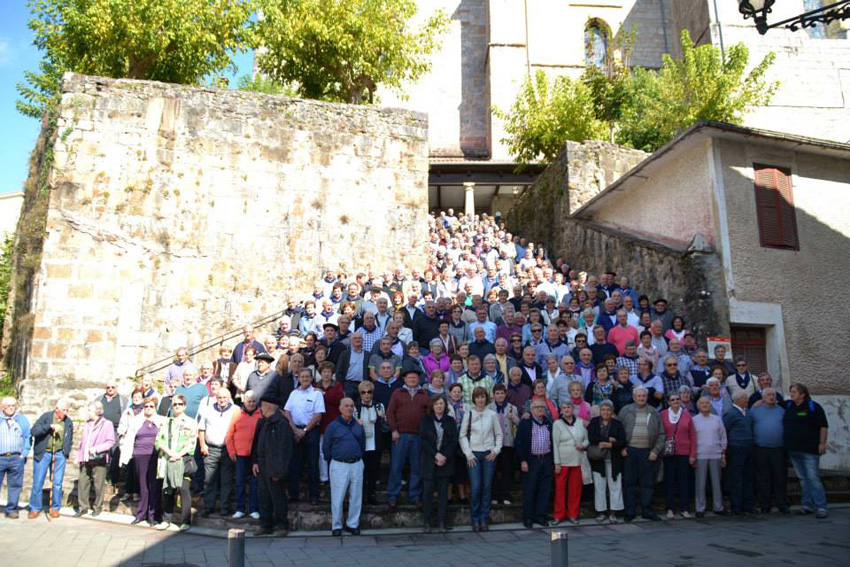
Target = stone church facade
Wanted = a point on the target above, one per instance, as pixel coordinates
(493, 45)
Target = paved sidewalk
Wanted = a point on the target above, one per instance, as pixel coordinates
(68, 542)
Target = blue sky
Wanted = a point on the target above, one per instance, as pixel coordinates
(17, 54)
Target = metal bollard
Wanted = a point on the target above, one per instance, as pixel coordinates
(560, 549)
(236, 548)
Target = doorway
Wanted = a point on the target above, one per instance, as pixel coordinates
(751, 342)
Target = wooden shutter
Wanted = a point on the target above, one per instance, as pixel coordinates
(777, 219)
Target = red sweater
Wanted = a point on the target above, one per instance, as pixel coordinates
(240, 434)
(686, 436)
(406, 412)
(333, 396)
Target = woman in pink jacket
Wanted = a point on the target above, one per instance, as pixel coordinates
(93, 457)
(437, 359)
(680, 454)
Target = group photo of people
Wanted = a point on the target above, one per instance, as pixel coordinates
(494, 377)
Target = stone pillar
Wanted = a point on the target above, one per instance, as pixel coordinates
(469, 197)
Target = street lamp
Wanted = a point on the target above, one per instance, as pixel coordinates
(759, 9)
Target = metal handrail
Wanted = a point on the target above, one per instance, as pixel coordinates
(206, 345)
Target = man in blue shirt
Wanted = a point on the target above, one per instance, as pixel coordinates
(343, 446)
(769, 454)
(15, 442)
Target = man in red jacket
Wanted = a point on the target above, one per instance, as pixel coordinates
(408, 405)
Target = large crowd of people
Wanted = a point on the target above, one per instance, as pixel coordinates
(494, 363)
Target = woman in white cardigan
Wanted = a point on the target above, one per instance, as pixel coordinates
(481, 441)
(569, 441)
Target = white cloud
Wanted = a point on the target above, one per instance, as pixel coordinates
(5, 50)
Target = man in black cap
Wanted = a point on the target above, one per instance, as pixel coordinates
(272, 452)
(659, 312)
(335, 348)
(264, 378)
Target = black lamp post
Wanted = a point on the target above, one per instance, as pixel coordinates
(759, 9)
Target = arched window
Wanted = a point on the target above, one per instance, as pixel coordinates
(595, 43)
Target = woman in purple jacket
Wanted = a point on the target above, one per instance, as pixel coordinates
(93, 457)
(679, 456)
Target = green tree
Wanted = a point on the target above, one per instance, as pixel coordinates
(341, 50)
(176, 41)
(701, 85)
(544, 116)
(260, 84)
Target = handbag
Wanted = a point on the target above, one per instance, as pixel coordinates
(597, 453)
(670, 443)
(586, 472)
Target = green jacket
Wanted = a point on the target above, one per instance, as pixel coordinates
(183, 438)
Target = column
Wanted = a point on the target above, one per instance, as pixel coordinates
(469, 197)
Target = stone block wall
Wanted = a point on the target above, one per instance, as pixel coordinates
(172, 214)
(579, 172)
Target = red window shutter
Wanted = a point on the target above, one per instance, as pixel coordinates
(777, 219)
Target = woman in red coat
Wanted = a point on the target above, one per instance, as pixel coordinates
(333, 394)
(680, 454)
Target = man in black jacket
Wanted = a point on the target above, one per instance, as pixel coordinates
(53, 435)
(534, 452)
(272, 451)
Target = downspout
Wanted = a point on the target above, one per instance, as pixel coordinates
(527, 56)
(719, 31)
(664, 26)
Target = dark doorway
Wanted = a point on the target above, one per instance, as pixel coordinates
(750, 342)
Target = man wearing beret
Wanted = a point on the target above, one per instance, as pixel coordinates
(264, 378)
(272, 452)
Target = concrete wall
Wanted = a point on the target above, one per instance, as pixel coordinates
(670, 205)
(10, 211)
(801, 283)
(177, 213)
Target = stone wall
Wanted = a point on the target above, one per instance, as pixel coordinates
(579, 172)
(172, 214)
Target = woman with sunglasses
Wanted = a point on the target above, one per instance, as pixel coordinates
(139, 444)
(175, 440)
(680, 454)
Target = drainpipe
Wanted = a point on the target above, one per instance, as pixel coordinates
(527, 56)
(719, 31)
(664, 26)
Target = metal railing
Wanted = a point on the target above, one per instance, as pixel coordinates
(164, 363)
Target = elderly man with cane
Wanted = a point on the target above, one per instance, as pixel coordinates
(53, 435)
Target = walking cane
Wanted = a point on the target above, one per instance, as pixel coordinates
(50, 488)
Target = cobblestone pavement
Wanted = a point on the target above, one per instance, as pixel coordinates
(773, 540)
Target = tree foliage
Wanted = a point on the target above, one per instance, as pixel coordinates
(260, 84)
(701, 85)
(341, 50)
(176, 41)
(640, 108)
(544, 116)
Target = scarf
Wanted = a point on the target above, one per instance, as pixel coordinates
(674, 417)
(459, 410)
(601, 393)
(743, 381)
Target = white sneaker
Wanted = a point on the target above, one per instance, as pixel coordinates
(686, 515)
(494, 503)
(255, 515)
(670, 514)
(601, 518)
(238, 515)
(507, 502)
(163, 526)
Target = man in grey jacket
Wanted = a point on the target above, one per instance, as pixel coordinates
(645, 440)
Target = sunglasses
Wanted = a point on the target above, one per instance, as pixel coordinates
(516, 340)
(671, 365)
(178, 404)
(364, 392)
(150, 406)
(536, 330)
(743, 364)
(673, 399)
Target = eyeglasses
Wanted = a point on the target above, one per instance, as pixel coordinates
(364, 392)
(150, 406)
(741, 364)
(516, 340)
(178, 404)
(673, 399)
(536, 330)
(581, 340)
(674, 365)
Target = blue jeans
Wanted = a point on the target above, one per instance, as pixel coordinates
(13, 467)
(346, 478)
(406, 450)
(481, 487)
(245, 476)
(806, 466)
(40, 470)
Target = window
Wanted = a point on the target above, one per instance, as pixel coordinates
(777, 218)
(595, 44)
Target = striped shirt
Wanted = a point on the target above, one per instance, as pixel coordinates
(11, 439)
